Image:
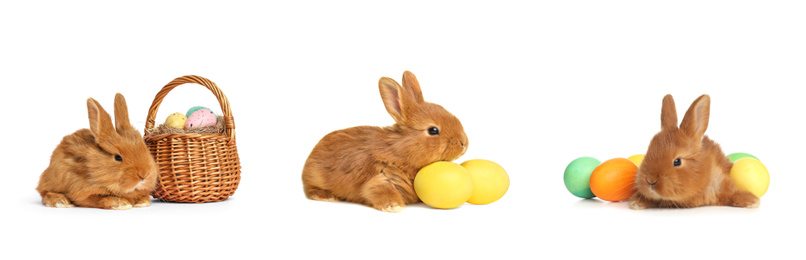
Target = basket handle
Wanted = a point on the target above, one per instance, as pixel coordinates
(229, 123)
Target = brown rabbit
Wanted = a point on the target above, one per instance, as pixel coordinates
(683, 168)
(100, 167)
(376, 166)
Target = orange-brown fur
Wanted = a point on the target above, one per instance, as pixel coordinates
(83, 170)
(703, 176)
(375, 166)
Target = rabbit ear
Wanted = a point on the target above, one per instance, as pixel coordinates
(392, 95)
(668, 113)
(121, 113)
(696, 119)
(410, 82)
(100, 122)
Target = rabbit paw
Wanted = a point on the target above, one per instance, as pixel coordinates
(117, 203)
(56, 200)
(329, 199)
(746, 200)
(141, 201)
(143, 204)
(123, 206)
(637, 205)
(749, 203)
(63, 205)
(314, 193)
(392, 208)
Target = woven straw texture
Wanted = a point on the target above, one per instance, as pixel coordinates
(195, 168)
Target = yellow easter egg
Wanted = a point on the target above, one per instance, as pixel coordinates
(443, 185)
(637, 159)
(176, 120)
(751, 175)
(490, 181)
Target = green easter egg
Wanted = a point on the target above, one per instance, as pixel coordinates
(736, 156)
(578, 174)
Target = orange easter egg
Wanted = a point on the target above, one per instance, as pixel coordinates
(613, 180)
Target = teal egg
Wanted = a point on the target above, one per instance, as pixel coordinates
(736, 156)
(194, 109)
(578, 174)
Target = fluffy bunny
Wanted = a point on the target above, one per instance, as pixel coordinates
(683, 168)
(376, 166)
(101, 167)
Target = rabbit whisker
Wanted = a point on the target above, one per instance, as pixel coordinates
(447, 146)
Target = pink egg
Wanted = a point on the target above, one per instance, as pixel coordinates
(201, 118)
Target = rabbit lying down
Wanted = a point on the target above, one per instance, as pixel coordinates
(375, 166)
(106, 166)
(683, 168)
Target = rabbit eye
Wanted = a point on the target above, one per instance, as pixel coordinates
(676, 162)
(118, 158)
(433, 130)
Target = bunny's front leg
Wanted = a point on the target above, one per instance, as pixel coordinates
(638, 202)
(381, 194)
(104, 202)
(142, 201)
(743, 199)
(56, 200)
(383, 191)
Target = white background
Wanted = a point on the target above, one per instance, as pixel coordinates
(536, 85)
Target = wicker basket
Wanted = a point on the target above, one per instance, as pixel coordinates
(194, 168)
